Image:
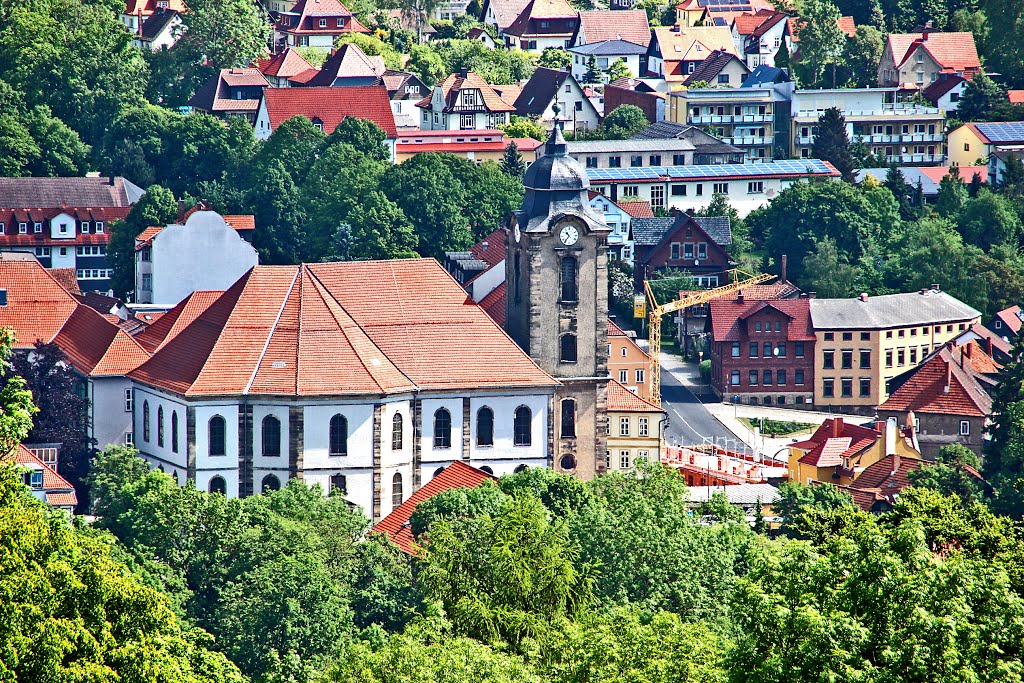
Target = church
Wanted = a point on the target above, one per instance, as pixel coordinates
(556, 303)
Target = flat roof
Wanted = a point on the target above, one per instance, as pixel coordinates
(793, 168)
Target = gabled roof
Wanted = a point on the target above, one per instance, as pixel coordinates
(608, 48)
(354, 328)
(58, 491)
(834, 440)
(999, 132)
(689, 44)
(214, 96)
(331, 106)
(636, 209)
(285, 64)
(505, 11)
(540, 91)
(1015, 96)
(630, 25)
(622, 400)
(951, 382)
(745, 24)
(765, 75)
(953, 51)
(97, 348)
(882, 481)
(491, 249)
(727, 316)
(68, 194)
(147, 7)
(1011, 318)
(241, 223)
(455, 83)
(709, 69)
(170, 324)
(942, 86)
(307, 11)
(494, 304)
(155, 23)
(458, 475)
(649, 232)
(348, 61)
(927, 307)
(538, 10)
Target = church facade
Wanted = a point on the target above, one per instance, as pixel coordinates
(556, 303)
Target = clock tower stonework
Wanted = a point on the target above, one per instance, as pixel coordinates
(556, 303)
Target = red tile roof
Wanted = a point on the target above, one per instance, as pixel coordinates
(953, 51)
(951, 382)
(53, 484)
(494, 304)
(942, 86)
(348, 61)
(310, 10)
(834, 440)
(636, 209)
(396, 525)
(285, 64)
(727, 316)
(241, 223)
(96, 347)
(1011, 318)
(67, 279)
(937, 173)
(170, 324)
(1015, 96)
(881, 482)
(630, 25)
(491, 249)
(146, 7)
(367, 327)
(214, 95)
(455, 83)
(622, 400)
(331, 106)
(848, 26)
(744, 24)
(37, 306)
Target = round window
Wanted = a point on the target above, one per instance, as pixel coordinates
(568, 462)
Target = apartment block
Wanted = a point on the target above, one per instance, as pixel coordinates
(894, 131)
(743, 117)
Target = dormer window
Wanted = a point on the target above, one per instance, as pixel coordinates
(162, 4)
(3, 297)
(22, 228)
(37, 226)
(85, 227)
(341, 23)
(323, 23)
(64, 228)
(99, 226)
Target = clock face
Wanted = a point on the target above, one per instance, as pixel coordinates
(569, 234)
(517, 233)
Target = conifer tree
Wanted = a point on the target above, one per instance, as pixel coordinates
(1004, 452)
(832, 144)
(512, 163)
(593, 74)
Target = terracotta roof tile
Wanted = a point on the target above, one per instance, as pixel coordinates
(241, 223)
(955, 51)
(834, 440)
(622, 400)
(53, 484)
(629, 25)
(455, 83)
(636, 209)
(848, 26)
(331, 106)
(727, 316)
(948, 383)
(1011, 317)
(37, 305)
(883, 481)
(171, 323)
(491, 249)
(284, 64)
(494, 304)
(458, 475)
(1015, 96)
(67, 279)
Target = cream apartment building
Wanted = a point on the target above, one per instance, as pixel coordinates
(743, 117)
(864, 342)
(635, 428)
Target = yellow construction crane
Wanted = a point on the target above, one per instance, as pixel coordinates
(655, 312)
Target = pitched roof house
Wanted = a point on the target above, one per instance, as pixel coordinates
(543, 24)
(464, 101)
(43, 481)
(839, 452)
(347, 66)
(302, 359)
(501, 13)
(1007, 322)
(231, 92)
(674, 52)
(719, 69)
(136, 12)
(916, 60)
(159, 30)
(548, 87)
(315, 23)
(600, 25)
(759, 36)
(695, 243)
(286, 68)
(691, 13)
(326, 108)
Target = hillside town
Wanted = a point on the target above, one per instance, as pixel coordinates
(512, 341)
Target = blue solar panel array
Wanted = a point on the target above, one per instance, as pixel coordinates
(789, 167)
(1002, 132)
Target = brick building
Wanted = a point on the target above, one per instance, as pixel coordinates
(697, 245)
(762, 351)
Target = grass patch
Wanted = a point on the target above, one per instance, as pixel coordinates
(774, 428)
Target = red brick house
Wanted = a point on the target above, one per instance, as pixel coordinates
(762, 351)
(695, 244)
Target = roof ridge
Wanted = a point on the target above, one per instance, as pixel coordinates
(270, 334)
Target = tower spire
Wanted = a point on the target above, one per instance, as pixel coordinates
(555, 145)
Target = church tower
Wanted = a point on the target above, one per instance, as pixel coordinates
(556, 302)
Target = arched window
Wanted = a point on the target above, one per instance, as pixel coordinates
(520, 468)
(438, 471)
(521, 432)
(396, 490)
(339, 483)
(339, 435)
(485, 427)
(568, 418)
(271, 483)
(145, 421)
(174, 431)
(442, 429)
(396, 432)
(516, 274)
(569, 278)
(160, 426)
(488, 469)
(568, 348)
(271, 436)
(218, 485)
(567, 462)
(217, 429)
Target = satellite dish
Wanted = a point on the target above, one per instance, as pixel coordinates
(777, 351)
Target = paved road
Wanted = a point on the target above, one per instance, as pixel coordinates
(689, 422)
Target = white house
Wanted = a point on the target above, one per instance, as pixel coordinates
(605, 54)
(159, 30)
(548, 88)
(203, 254)
(463, 101)
(368, 377)
(620, 241)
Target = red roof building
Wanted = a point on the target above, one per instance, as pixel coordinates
(43, 481)
(464, 101)
(315, 23)
(397, 525)
(762, 351)
(286, 68)
(597, 26)
(1007, 322)
(543, 24)
(916, 60)
(231, 92)
(326, 108)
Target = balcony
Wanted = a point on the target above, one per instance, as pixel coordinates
(911, 159)
(900, 138)
(730, 118)
(767, 140)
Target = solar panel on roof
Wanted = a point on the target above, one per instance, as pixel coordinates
(1003, 132)
(789, 167)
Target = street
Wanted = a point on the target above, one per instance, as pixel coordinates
(689, 421)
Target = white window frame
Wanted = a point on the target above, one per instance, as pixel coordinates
(99, 226)
(623, 460)
(642, 426)
(965, 428)
(129, 439)
(623, 426)
(129, 400)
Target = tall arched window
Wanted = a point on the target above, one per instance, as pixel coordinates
(516, 274)
(438, 471)
(145, 421)
(485, 427)
(396, 490)
(174, 431)
(217, 429)
(521, 432)
(218, 485)
(160, 426)
(442, 429)
(339, 435)
(271, 483)
(396, 432)
(569, 278)
(568, 418)
(271, 436)
(567, 353)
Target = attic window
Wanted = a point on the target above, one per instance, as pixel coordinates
(37, 227)
(3, 297)
(323, 23)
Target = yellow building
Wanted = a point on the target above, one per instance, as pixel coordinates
(864, 342)
(838, 452)
(974, 143)
(635, 428)
(627, 362)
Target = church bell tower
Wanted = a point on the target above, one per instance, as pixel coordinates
(556, 299)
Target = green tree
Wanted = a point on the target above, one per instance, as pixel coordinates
(719, 509)
(228, 33)
(593, 74)
(280, 213)
(428, 192)
(989, 220)
(1002, 273)
(34, 142)
(489, 195)
(952, 194)
(827, 272)
(156, 207)
(1004, 54)
(797, 499)
(619, 69)
(427, 64)
(561, 494)
(521, 127)
(832, 144)
(861, 56)
(934, 253)
(624, 121)
(365, 136)
(15, 398)
(821, 41)
(896, 183)
(512, 163)
(979, 99)
(1004, 451)
(555, 58)
(950, 475)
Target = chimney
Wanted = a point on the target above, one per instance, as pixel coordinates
(949, 377)
(837, 427)
(935, 287)
(784, 260)
(464, 72)
(897, 461)
(863, 296)
(890, 436)
(675, 28)
(967, 349)
(810, 295)
(739, 296)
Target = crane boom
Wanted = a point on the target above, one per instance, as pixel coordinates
(694, 299)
